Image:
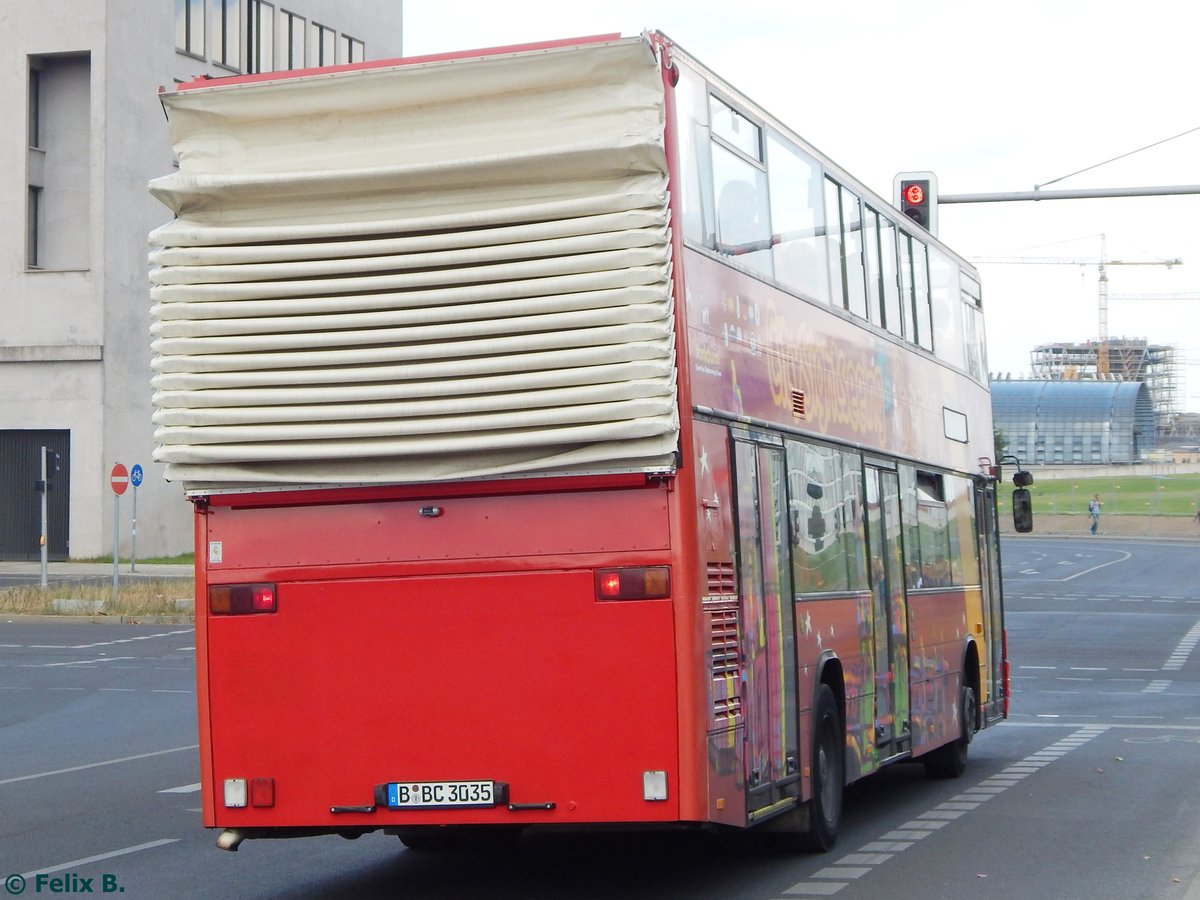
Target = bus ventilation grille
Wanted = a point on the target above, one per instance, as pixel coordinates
(720, 579)
(728, 711)
(725, 654)
(725, 686)
(799, 405)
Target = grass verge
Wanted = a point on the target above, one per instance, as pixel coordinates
(144, 597)
(1121, 495)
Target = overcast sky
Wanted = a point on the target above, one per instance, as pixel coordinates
(990, 97)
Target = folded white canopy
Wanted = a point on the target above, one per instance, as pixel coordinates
(446, 270)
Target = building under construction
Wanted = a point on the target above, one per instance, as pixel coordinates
(1128, 359)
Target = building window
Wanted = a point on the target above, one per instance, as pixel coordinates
(189, 27)
(227, 35)
(352, 50)
(324, 45)
(35, 107)
(58, 162)
(260, 37)
(32, 224)
(293, 40)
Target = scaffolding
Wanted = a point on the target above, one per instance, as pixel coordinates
(1129, 359)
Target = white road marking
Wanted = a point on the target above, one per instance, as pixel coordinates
(1181, 653)
(867, 857)
(128, 640)
(107, 762)
(85, 662)
(75, 863)
(1111, 562)
(182, 789)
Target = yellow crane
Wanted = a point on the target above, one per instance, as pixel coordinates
(1102, 366)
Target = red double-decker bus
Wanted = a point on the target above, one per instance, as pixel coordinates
(570, 443)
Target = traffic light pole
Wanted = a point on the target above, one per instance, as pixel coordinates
(1083, 194)
(45, 538)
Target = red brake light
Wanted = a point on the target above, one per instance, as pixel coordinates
(241, 599)
(609, 584)
(634, 583)
(262, 598)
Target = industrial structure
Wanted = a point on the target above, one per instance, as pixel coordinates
(1128, 359)
(1055, 422)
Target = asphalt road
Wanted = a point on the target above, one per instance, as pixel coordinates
(1087, 792)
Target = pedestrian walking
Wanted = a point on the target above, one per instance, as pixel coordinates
(1094, 511)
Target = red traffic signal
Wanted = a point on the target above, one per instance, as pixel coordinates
(916, 197)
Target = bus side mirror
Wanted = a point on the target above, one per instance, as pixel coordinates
(1022, 506)
(1023, 479)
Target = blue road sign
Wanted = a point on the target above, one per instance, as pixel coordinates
(135, 475)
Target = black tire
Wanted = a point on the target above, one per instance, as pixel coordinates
(950, 760)
(828, 774)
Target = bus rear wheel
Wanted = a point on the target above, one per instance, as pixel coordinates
(950, 761)
(828, 774)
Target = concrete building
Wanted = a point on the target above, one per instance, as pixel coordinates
(86, 134)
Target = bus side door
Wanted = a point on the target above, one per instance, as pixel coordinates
(890, 611)
(767, 617)
(993, 610)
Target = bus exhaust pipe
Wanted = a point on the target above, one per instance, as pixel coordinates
(230, 839)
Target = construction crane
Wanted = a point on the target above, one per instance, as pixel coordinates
(1102, 363)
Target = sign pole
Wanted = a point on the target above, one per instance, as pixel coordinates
(116, 541)
(119, 479)
(135, 478)
(45, 539)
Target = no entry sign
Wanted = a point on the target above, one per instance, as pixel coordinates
(120, 479)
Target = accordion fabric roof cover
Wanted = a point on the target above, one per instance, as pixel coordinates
(446, 270)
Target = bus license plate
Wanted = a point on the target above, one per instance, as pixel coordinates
(440, 794)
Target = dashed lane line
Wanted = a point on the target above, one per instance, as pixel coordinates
(854, 865)
(76, 863)
(1181, 653)
(115, 641)
(106, 762)
(182, 789)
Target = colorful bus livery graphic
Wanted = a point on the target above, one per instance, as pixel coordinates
(620, 468)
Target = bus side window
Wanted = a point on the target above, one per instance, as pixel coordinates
(797, 219)
(743, 222)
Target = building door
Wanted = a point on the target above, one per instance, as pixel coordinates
(21, 501)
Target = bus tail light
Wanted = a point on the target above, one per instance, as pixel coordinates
(634, 583)
(241, 599)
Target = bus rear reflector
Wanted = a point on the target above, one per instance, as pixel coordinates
(262, 792)
(241, 599)
(635, 583)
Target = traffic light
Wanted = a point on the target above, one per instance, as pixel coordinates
(52, 465)
(916, 197)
